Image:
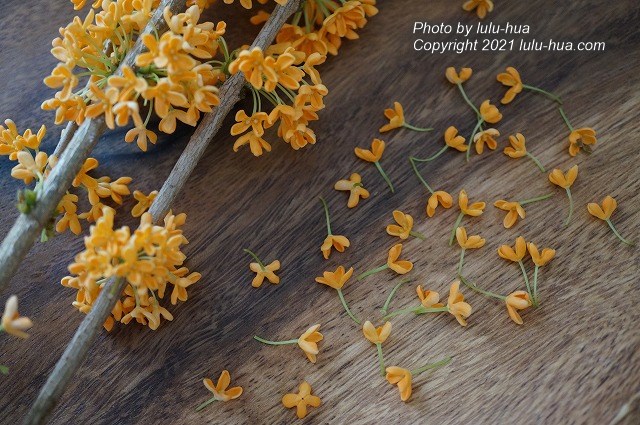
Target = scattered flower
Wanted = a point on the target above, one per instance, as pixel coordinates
(511, 79)
(540, 258)
(609, 205)
(481, 6)
(398, 266)
(308, 342)
(565, 181)
(355, 188)
(489, 112)
(338, 242)
(336, 280)
(301, 400)
(518, 300)
(579, 138)
(487, 137)
(458, 78)
(377, 336)
(404, 227)
(402, 377)
(374, 155)
(474, 210)
(396, 120)
(144, 202)
(518, 149)
(12, 323)
(263, 271)
(471, 242)
(221, 391)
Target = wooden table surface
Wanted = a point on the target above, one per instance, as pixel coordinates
(576, 359)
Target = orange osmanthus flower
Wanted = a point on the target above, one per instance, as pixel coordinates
(581, 138)
(301, 400)
(518, 300)
(374, 155)
(221, 391)
(263, 271)
(489, 112)
(511, 79)
(487, 137)
(456, 304)
(565, 181)
(518, 149)
(404, 227)
(398, 266)
(308, 342)
(336, 280)
(471, 242)
(540, 258)
(514, 209)
(515, 254)
(12, 323)
(338, 242)
(458, 78)
(474, 210)
(604, 213)
(355, 189)
(376, 335)
(441, 197)
(144, 202)
(481, 6)
(396, 120)
(428, 299)
(402, 378)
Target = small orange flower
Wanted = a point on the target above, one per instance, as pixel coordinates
(404, 227)
(354, 186)
(563, 180)
(487, 137)
(144, 202)
(460, 309)
(376, 335)
(515, 254)
(609, 205)
(481, 6)
(441, 197)
(471, 242)
(453, 140)
(511, 79)
(220, 391)
(518, 300)
(301, 400)
(338, 242)
(395, 117)
(373, 155)
(540, 258)
(402, 378)
(429, 299)
(518, 148)
(581, 138)
(489, 112)
(474, 209)
(336, 279)
(514, 209)
(308, 342)
(458, 78)
(398, 266)
(12, 323)
(263, 271)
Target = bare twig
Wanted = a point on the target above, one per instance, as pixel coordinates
(76, 351)
(27, 227)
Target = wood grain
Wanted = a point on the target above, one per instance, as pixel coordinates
(576, 360)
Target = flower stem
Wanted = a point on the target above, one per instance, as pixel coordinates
(346, 307)
(206, 403)
(481, 291)
(564, 117)
(326, 213)
(385, 308)
(536, 199)
(415, 170)
(570, 206)
(266, 341)
(623, 240)
(537, 162)
(464, 95)
(255, 257)
(435, 365)
(473, 134)
(372, 271)
(417, 235)
(551, 96)
(380, 358)
(526, 278)
(534, 299)
(461, 261)
(411, 127)
(455, 227)
(384, 175)
(431, 158)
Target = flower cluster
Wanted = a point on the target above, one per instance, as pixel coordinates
(148, 259)
(176, 77)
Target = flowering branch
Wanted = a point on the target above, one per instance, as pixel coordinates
(77, 349)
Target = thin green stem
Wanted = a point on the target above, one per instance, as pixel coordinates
(411, 127)
(461, 261)
(431, 158)
(537, 162)
(473, 134)
(372, 271)
(564, 117)
(455, 227)
(539, 198)
(380, 358)
(551, 96)
(385, 308)
(623, 240)
(416, 310)
(435, 365)
(526, 278)
(535, 286)
(346, 307)
(255, 257)
(466, 99)
(417, 235)
(481, 291)
(566, 223)
(206, 403)
(415, 170)
(384, 175)
(326, 213)
(266, 341)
